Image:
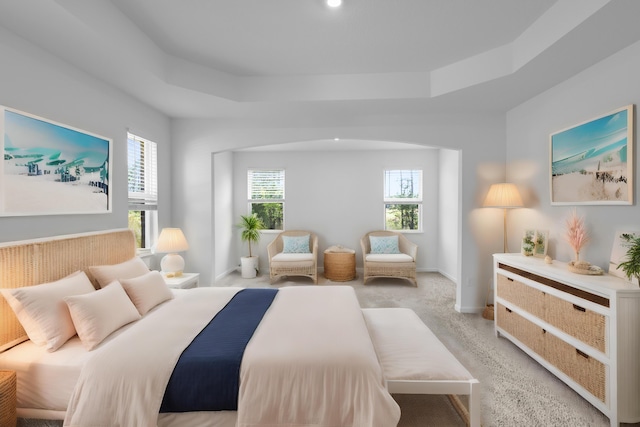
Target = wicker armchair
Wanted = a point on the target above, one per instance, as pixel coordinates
(402, 265)
(293, 264)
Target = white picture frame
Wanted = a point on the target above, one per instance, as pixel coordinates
(541, 243)
(52, 169)
(618, 254)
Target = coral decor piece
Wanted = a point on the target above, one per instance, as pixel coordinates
(577, 236)
(576, 233)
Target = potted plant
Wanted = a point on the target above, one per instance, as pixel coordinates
(250, 226)
(631, 265)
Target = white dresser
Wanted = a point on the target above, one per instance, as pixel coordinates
(584, 329)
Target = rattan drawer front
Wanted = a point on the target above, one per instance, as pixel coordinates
(581, 323)
(583, 369)
(528, 333)
(525, 297)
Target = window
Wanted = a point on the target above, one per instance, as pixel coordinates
(143, 189)
(403, 200)
(266, 196)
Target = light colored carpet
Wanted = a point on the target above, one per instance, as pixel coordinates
(516, 390)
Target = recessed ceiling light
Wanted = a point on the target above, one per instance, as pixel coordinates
(334, 3)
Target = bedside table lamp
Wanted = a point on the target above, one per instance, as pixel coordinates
(171, 241)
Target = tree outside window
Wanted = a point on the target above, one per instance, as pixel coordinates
(266, 196)
(403, 200)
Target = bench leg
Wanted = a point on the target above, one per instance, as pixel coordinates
(474, 404)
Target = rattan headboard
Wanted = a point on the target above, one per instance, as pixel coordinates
(31, 262)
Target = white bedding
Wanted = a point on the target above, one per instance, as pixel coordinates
(313, 352)
(310, 362)
(45, 379)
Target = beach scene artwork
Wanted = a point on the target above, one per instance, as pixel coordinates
(50, 168)
(591, 163)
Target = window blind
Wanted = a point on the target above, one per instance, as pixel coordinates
(143, 173)
(402, 185)
(266, 184)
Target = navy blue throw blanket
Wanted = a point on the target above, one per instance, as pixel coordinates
(207, 375)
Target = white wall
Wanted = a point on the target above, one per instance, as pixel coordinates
(33, 81)
(449, 213)
(338, 195)
(224, 255)
(606, 86)
(480, 138)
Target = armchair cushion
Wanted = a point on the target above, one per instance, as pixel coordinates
(286, 257)
(384, 244)
(388, 258)
(296, 244)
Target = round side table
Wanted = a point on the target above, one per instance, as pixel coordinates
(8, 401)
(339, 264)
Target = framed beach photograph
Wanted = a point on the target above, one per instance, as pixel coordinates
(50, 168)
(592, 162)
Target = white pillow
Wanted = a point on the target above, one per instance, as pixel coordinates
(98, 314)
(42, 311)
(147, 291)
(105, 274)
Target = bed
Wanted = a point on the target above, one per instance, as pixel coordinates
(309, 360)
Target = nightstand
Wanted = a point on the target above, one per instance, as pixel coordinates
(186, 281)
(8, 401)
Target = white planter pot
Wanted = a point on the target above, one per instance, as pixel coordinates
(249, 266)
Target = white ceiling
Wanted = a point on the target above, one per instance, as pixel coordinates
(299, 37)
(283, 61)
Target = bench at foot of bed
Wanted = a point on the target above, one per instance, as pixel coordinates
(414, 361)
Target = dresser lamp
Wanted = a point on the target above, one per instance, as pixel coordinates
(172, 241)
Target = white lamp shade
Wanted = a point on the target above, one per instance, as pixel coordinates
(503, 195)
(171, 240)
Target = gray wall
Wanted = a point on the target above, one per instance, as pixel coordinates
(33, 81)
(606, 86)
(338, 196)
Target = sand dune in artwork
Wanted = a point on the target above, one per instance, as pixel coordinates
(40, 194)
(584, 187)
